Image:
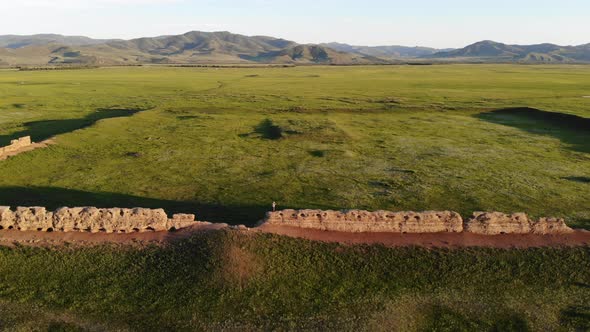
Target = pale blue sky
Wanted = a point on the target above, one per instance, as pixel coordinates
(452, 23)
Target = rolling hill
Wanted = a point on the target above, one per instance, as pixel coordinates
(194, 47)
(498, 52)
(14, 41)
(385, 52)
(222, 47)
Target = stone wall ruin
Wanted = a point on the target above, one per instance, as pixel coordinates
(486, 223)
(359, 221)
(493, 223)
(122, 220)
(92, 219)
(15, 145)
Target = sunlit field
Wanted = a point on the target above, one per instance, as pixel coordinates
(225, 142)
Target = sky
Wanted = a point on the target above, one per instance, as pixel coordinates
(434, 23)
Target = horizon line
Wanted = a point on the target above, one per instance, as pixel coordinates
(302, 43)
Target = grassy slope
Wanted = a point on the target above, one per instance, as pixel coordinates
(359, 137)
(231, 280)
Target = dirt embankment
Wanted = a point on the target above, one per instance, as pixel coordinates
(14, 237)
(435, 240)
(426, 229)
(431, 240)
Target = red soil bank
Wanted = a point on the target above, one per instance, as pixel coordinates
(439, 240)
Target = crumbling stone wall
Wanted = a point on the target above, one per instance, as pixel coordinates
(119, 220)
(15, 145)
(365, 221)
(492, 223)
(92, 219)
(488, 223)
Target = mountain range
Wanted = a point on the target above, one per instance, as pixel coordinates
(198, 47)
(392, 52)
(498, 52)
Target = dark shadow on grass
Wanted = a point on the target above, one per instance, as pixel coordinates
(576, 318)
(42, 130)
(570, 129)
(317, 153)
(581, 284)
(53, 198)
(581, 179)
(268, 130)
(60, 326)
(188, 117)
(441, 318)
(511, 322)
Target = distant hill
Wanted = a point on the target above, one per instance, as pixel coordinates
(197, 42)
(493, 51)
(14, 41)
(194, 47)
(310, 54)
(198, 47)
(386, 52)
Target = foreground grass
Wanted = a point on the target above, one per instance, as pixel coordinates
(224, 143)
(230, 280)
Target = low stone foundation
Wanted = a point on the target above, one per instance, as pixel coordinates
(15, 145)
(364, 221)
(92, 219)
(493, 223)
(487, 223)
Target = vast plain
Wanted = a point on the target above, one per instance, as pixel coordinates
(224, 143)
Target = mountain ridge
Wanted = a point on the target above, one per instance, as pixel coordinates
(18, 41)
(199, 47)
(545, 52)
(385, 51)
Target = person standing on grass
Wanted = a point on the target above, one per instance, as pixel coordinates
(274, 206)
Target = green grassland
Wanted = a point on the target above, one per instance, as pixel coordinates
(223, 143)
(227, 280)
